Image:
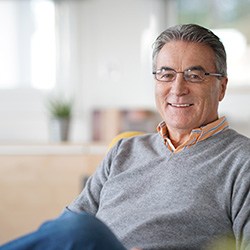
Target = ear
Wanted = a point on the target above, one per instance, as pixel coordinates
(223, 87)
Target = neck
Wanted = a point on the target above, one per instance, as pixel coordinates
(178, 137)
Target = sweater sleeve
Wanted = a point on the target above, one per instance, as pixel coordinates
(89, 198)
(241, 208)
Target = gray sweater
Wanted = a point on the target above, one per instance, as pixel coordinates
(154, 199)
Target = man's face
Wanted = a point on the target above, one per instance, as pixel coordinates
(185, 105)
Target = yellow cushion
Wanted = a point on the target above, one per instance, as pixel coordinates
(124, 135)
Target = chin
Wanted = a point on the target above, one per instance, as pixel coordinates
(188, 126)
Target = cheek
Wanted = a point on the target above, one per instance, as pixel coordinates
(160, 100)
(209, 102)
(217, 92)
(157, 99)
(160, 96)
(215, 96)
(161, 92)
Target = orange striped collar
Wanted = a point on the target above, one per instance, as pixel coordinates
(198, 134)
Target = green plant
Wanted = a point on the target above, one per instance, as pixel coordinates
(60, 108)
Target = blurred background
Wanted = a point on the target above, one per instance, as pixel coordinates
(92, 58)
(98, 53)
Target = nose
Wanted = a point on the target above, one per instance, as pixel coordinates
(179, 86)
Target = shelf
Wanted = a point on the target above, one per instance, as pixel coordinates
(52, 149)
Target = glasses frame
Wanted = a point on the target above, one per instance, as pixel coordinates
(185, 74)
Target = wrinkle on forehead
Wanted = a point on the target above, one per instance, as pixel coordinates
(180, 55)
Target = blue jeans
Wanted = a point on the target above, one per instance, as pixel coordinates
(70, 231)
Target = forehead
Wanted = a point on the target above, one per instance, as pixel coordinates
(180, 55)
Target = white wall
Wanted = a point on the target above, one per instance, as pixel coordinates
(23, 117)
(116, 52)
(235, 107)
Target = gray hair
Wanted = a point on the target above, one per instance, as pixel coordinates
(197, 34)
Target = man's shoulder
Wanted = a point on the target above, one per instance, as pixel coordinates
(140, 137)
(141, 140)
(235, 142)
(228, 142)
(236, 137)
(141, 144)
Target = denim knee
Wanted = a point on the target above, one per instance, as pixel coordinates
(82, 231)
(70, 231)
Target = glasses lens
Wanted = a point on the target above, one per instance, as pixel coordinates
(194, 75)
(165, 75)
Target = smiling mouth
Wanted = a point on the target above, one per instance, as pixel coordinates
(180, 105)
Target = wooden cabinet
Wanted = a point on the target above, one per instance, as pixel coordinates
(36, 187)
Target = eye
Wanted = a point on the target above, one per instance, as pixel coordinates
(195, 75)
(166, 75)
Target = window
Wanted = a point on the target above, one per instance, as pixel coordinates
(27, 44)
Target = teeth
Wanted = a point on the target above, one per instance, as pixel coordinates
(180, 105)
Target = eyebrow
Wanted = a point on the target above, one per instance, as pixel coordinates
(164, 68)
(198, 67)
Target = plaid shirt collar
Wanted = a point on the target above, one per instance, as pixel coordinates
(198, 134)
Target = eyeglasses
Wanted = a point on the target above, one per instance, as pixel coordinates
(195, 75)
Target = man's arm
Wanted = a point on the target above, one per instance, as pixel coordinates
(241, 207)
(89, 198)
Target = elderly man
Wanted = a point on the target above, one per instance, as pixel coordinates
(186, 186)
